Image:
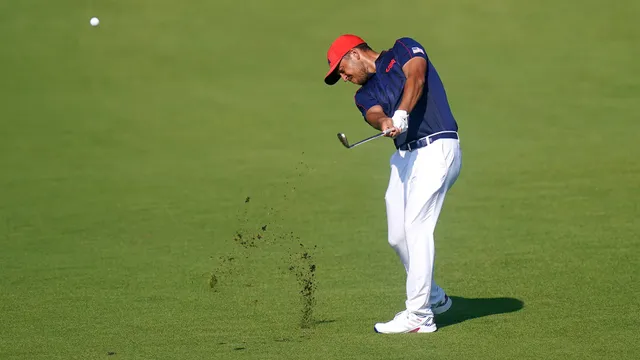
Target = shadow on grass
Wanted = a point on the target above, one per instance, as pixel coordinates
(466, 309)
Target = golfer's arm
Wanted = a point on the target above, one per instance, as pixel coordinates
(415, 71)
(377, 118)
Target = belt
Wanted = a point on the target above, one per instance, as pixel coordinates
(422, 142)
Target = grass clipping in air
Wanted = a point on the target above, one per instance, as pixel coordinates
(304, 270)
(301, 262)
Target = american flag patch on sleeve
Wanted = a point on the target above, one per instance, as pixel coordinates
(417, 50)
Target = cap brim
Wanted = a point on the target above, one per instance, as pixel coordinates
(332, 76)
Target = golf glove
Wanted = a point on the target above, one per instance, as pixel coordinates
(401, 120)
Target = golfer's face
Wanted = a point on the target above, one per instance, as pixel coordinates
(353, 70)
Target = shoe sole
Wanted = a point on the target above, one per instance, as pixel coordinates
(442, 309)
(425, 329)
(421, 329)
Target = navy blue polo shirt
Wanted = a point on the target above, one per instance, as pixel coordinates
(432, 112)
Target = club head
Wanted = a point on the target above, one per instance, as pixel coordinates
(343, 139)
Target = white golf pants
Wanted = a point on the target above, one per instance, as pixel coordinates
(417, 187)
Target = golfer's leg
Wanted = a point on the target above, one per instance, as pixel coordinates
(434, 170)
(394, 199)
(437, 293)
(452, 152)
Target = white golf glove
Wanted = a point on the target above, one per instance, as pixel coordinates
(401, 120)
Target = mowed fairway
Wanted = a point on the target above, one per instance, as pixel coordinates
(163, 175)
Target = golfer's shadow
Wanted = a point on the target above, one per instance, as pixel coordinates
(466, 309)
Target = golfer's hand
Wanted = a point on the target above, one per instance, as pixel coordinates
(388, 128)
(400, 120)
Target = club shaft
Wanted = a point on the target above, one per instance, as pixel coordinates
(370, 138)
(365, 140)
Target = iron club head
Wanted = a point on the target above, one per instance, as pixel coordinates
(343, 139)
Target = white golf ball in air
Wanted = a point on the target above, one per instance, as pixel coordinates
(94, 21)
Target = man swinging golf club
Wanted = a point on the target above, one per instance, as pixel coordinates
(401, 94)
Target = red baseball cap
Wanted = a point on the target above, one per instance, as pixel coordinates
(338, 49)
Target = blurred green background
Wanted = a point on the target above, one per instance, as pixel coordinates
(128, 151)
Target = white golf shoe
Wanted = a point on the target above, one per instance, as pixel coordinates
(442, 306)
(407, 322)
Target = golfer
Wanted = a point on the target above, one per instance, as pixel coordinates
(401, 93)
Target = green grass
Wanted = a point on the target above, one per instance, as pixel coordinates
(127, 152)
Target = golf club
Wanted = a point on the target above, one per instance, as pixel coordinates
(343, 139)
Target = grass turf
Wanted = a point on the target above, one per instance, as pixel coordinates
(128, 151)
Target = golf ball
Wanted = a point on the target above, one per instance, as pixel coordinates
(94, 21)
